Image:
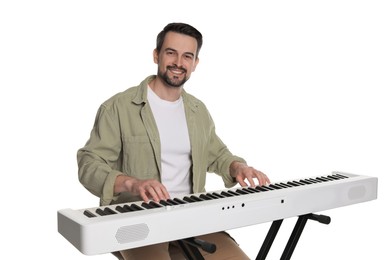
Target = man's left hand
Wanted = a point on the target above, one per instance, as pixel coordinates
(246, 175)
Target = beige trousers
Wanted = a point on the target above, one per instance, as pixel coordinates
(227, 248)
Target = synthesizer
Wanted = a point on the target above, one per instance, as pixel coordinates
(105, 229)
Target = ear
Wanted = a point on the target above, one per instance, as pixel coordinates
(196, 64)
(155, 56)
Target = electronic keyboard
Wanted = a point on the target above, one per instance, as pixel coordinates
(123, 226)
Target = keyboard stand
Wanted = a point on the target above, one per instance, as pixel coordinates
(295, 235)
(190, 248)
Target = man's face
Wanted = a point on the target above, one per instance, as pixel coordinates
(176, 60)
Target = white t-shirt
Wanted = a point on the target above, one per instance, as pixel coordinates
(175, 144)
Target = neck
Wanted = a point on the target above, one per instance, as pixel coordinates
(164, 91)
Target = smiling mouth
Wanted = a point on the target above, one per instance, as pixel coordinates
(177, 71)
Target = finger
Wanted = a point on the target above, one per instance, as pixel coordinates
(241, 181)
(152, 189)
(267, 179)
(251, 182)
(143, 195)
(166, 193)
(153, 193)
(262, 178)
(162, 192)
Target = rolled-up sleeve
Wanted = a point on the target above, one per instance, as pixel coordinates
(99, 159)
(220, 159)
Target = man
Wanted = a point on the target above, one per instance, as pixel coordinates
(155, 141)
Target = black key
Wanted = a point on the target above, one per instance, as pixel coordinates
(188, 199)
(205, 197)
(226, 194)
(253, 190)
(105, 212)
(242, 192)
(233, 193)
(341, 176)
(326, 178)
(315, 180)
(135, 207)
(179, 201)
(151, 205)
(249, 190)
(306, 182)
(274, 186)
(146, 205)
(286, 185)
(293, 184)
(165, 203)
(333, 177)
(109, 211)
(218, 195)
(279, 185)
(125, 208)
(89, 214)
(100, 212)
(196, 198)
(155, 204)
(321, 179)
(299, 183)
(172, 202)
(121, 209)
(212, 196)
(263, 188)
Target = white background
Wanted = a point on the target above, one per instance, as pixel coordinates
(298, 88)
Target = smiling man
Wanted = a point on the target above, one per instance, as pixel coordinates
(177, 55)
(155, 141)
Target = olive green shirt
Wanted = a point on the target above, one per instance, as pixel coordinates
(125, 140)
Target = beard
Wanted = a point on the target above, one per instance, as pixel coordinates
(173, 81)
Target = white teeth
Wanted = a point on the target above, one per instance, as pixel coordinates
(177, 71)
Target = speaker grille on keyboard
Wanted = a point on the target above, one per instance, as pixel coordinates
(132, 233)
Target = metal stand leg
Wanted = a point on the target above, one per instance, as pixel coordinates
(297, 231)
(295, 235)
(293, 240)
(269, 239)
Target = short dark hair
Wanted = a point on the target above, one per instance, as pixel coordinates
(183, 29)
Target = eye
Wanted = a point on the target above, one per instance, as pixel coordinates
(189, 57)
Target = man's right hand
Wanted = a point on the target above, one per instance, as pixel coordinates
(147, 189)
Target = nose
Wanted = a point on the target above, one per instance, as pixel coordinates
(178, 61)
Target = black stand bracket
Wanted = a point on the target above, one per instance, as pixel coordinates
(190, 248)
(295, 235)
